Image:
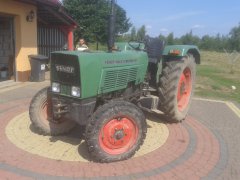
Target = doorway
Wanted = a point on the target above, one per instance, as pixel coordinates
(7, 49)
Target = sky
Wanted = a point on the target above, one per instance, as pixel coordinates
(181, 16)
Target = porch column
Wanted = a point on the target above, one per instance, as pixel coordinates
(70, 39)
(68, 31)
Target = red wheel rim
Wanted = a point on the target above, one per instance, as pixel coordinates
(118, 135)
(184, 89)
(45, 110)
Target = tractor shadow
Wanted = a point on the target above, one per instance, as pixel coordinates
(158, 117)
(76, 136)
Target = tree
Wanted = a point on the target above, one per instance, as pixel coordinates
(235, 38)
(122, 22)
(162, 37)
(92, 17)
(170, 39)
(133, 33)
(207, 43)
(213, 43)
(141, 33)
(190, 39)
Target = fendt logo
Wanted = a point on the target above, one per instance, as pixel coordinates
(65, 69)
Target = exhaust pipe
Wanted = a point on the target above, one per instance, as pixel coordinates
(111, 27)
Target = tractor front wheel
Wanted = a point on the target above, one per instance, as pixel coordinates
(176, 88)
(116, 131)
(40, 112)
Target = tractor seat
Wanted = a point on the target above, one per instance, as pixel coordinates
(154, 47)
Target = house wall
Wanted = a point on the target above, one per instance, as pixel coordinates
(25, 35)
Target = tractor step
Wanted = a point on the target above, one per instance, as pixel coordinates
(149, 103)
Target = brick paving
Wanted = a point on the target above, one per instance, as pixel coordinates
(194, 149)
(71, 147)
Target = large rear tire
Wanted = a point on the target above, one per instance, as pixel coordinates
(40, 112)
(116, 131)
(176, 88)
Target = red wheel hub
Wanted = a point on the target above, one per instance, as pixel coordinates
(184, 89)
(118, 135)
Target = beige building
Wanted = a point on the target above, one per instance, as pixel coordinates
(31, 27)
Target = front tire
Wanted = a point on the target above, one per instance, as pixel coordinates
(176, 88)
(40, 112)
(116, 131)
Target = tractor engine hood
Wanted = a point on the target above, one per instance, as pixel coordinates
(98, 72)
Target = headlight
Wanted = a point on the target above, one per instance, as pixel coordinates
(55, 87)
(75, 91)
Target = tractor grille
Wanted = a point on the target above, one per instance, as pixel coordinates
(117, 79)
(65, 89)
(65, 69)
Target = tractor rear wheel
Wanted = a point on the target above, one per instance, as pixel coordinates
(176, 88)
(40, 112)
(115, 132)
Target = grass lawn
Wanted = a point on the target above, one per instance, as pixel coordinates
(215, 77)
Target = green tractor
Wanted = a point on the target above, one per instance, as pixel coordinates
(107, 91)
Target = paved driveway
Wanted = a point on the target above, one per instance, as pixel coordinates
(223, 119)
(205, 146)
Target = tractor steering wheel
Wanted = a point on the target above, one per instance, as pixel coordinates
(135, 45)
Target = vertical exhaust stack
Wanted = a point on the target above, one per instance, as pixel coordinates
(111, 26)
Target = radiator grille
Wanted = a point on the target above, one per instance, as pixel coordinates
(65, 89)
(115, 79)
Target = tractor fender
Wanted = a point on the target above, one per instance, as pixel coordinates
(181, 51)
